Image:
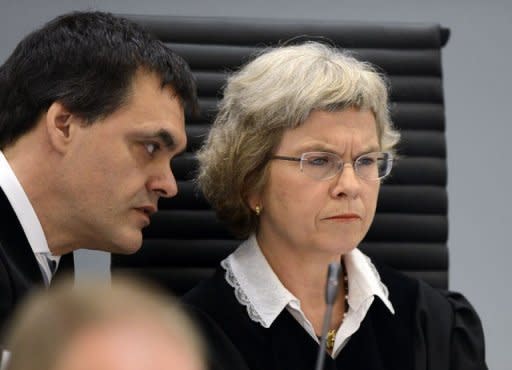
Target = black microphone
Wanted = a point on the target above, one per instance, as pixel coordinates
(331, 291)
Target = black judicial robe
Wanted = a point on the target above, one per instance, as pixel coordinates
(19, 270)
(430, 330)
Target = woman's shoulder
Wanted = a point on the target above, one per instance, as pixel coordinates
(209, 291)
(425, 298)
(447, 328)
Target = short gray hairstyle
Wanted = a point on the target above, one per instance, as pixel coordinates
(277, 91)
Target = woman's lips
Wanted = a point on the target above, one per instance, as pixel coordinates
(346, 217)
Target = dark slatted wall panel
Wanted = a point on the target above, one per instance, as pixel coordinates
(185, 241)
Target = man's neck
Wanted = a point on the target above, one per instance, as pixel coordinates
(35, 198)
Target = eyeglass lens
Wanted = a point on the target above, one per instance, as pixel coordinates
(323, 165)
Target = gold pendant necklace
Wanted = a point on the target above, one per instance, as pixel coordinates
(331, 336)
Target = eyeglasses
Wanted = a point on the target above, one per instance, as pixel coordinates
(323, 165)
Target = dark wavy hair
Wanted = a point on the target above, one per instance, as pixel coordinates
(86, 61)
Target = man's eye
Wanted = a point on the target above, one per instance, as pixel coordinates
(151, 148)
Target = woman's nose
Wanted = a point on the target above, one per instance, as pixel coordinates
(347, 182)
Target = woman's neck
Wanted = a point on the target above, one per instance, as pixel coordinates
(305, 276)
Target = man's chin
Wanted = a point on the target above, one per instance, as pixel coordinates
(126, 251)
(128, 244)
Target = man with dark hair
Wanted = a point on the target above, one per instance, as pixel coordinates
(91, 113)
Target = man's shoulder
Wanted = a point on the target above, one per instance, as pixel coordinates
(10, 225)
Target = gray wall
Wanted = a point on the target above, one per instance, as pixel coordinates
(477, 89)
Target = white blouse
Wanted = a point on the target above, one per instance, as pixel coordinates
(259, 289)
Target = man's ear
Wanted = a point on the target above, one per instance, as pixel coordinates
(60, 125)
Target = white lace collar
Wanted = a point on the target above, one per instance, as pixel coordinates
(259, 289)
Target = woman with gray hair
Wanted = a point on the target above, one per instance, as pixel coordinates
(293, 164)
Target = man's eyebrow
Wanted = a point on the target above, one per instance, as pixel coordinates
(165, 137)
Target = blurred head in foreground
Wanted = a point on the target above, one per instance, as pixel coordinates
(127, 325)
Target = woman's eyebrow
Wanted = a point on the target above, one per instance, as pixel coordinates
(324, 147)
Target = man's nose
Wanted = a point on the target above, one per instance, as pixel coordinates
(164, 185)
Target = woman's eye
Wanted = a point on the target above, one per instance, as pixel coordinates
(366, 161)
(319, 161)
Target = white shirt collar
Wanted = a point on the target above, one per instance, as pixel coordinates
(364, 280)
(23, 209)
(259, 289)
(253, 279)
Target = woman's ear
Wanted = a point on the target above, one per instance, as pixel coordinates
(60, 125)
(254, 200)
